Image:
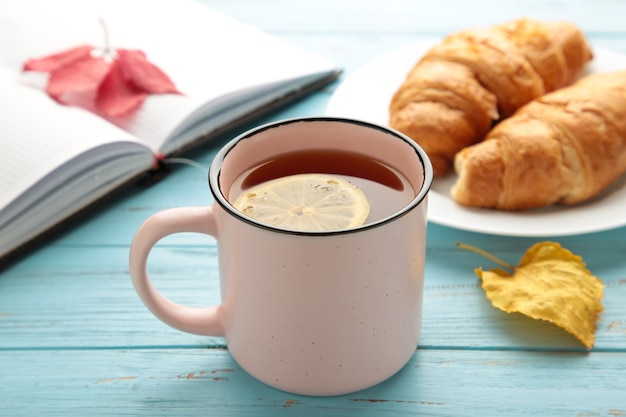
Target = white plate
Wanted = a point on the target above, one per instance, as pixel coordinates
(365, 95)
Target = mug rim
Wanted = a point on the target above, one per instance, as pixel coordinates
(218, 160)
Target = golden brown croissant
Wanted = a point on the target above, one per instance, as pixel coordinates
(562, 148)
(452, 96)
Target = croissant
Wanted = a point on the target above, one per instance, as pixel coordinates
(562, 148)
(461, 86)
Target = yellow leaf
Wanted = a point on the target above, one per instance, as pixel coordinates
(552, 284)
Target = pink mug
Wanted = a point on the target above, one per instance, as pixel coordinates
(313, 313)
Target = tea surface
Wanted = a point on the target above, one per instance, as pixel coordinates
(386, 190)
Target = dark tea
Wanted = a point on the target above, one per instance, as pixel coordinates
(386, 190)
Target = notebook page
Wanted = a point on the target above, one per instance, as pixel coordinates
(206, 53)
(37, 135)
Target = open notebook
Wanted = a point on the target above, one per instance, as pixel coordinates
(56, 159)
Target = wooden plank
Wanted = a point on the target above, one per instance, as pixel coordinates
(71, 296)
(208, 382)
(76, 340)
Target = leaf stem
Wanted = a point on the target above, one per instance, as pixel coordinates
(105, 30)
(108, 53)
(486, 254)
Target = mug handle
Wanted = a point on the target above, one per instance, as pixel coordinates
(197, 320)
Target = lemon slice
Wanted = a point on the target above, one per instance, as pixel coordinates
(305, 202)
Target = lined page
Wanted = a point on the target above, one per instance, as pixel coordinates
(37, 135)
(206, 53)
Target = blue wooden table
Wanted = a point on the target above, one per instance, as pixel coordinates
(76, 341)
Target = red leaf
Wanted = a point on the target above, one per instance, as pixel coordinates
(116, 96)
(118, 82)
(143, 74)
(52, 62)
(80, 76)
